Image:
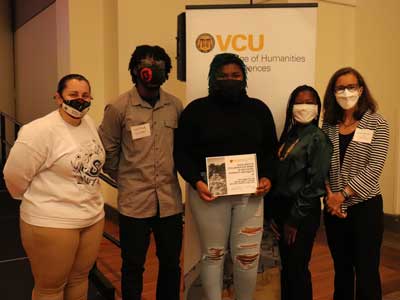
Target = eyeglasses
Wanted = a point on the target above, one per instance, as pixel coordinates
(341, 88)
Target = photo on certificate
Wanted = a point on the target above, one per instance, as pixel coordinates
(232, 174)
(216, 176)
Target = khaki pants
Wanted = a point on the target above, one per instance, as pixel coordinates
(61, 259)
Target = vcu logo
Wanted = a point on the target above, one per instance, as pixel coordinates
(205, 42)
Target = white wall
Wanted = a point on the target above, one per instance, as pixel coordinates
(335, 41)
(148, 22)
(377, 50)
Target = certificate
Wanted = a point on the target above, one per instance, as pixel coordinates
(232, 175)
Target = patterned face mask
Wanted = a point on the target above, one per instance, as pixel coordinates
(76, 108)
(152, 75)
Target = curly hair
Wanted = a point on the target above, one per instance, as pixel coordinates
(144, 51)
(223, 59)
(333, 113)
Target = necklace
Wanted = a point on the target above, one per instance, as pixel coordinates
(282, 156)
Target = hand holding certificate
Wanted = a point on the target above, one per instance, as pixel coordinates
(264, 186)
(232, 175)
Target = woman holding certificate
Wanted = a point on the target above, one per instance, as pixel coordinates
(304, 158)
(227, 127)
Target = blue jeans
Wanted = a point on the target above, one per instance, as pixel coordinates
(239, 220)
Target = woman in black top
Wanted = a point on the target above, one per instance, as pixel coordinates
(226, 122)
(304, 159)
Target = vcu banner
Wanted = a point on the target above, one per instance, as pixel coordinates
(277, 44)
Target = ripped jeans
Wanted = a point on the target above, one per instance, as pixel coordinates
(239, 220)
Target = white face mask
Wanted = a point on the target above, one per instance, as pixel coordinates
(347, 99)
(305, 113)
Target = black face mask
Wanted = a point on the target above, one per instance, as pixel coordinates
(229, 91)
(152, 76)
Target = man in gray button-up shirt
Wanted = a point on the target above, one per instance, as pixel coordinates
(138, 134)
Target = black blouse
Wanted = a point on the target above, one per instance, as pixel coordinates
(344, 141)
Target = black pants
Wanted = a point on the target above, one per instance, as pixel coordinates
(355, 244)
(295, 276)
(135, 240)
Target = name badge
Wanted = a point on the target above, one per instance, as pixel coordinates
(363, 135)
(140, 131)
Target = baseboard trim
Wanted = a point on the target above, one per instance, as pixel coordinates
(392, 222)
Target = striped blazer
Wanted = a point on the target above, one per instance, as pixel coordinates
(363, 162)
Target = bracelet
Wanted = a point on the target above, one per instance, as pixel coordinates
(345, 194)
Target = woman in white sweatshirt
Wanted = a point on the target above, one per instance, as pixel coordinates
(53, 168)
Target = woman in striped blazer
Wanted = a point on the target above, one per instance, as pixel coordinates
(353, 205)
